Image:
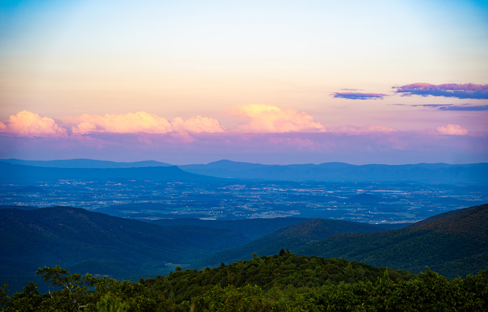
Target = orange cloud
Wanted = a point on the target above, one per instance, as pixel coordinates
(272, 119)
(142, 122)
(30, 124)
(122, 123)
(451, 129)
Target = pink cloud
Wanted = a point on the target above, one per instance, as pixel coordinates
(272, 119)
(361, 130)
(142, 122)
(122, 123)
(290, 147)
(198, 124)
(452, 130)
(30, 124)
(295, 142)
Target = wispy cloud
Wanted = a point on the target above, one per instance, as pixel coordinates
(464, 108)
(359, 96)
(360, 130)
(460, 91)
(450, 107)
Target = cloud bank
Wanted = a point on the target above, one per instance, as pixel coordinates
(142, 122)
(254, 119)
(460, 91)
(358, 96)
(270, 133)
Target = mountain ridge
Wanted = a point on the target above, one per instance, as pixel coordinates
(66, 236)
(291, 237)
(85, 163)
(30, 174)
(438, 173)
(449, 243)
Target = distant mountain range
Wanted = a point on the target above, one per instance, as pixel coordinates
(12, 173)
(431, 173)
(329, 172)
(85, 163)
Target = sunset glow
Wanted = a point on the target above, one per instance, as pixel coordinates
(271, 82)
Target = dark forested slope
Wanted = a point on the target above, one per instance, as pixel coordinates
(67, 236)
(453, 245)
(251, 228)
(292, 237)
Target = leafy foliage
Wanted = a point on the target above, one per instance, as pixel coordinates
(356, 287)
(280, 271)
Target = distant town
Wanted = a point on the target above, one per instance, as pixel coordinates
(374, 203)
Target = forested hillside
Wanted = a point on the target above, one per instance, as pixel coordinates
(278, 271)
(251, 228)
(292, 237)
(453, 245)
(284, 282)
(93, 242)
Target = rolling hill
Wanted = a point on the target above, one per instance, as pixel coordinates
(292, 237)
(454, 243)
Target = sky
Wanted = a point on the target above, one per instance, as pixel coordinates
(275, 82)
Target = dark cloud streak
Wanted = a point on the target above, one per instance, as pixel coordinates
(450, 107)
(465, 108)
(358, 96)
(460, 91)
